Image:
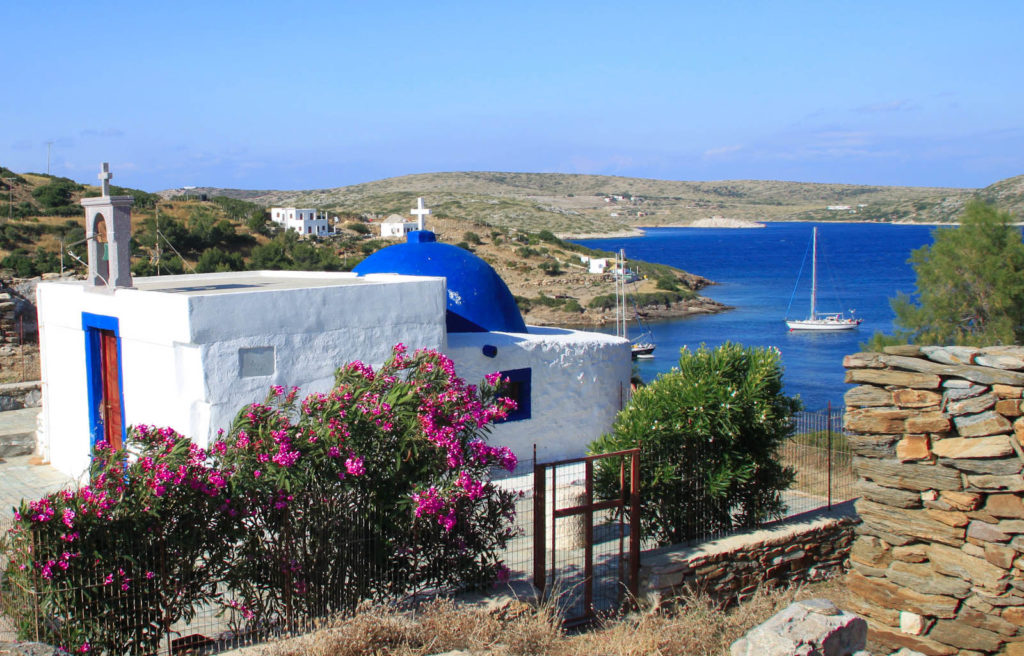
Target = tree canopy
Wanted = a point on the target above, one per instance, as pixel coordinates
(970, 284)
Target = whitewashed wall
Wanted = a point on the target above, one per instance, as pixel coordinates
(179, 353)
(180, 356)
(580, 381)
(313, 331)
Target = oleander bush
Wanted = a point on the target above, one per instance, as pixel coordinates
(710, 432)
(303, 509)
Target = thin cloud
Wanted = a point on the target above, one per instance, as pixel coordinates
(106, 133)
(722, 151)
(885, 107)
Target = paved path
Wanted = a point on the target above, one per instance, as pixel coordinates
(18, 431)
(21, 480)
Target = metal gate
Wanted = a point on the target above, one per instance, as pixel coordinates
(579, 542)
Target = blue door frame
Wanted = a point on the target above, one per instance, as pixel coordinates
(91, 325)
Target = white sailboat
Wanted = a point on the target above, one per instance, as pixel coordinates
(821, 321)
(640, 347)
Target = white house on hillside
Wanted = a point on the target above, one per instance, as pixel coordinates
(302, 221)
(396, 226)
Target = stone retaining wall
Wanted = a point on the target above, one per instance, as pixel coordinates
(15, 396)
(937, 564)
(808, 547)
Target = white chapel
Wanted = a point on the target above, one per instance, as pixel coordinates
(189, 351)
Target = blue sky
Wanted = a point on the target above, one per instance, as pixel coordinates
(320, 94)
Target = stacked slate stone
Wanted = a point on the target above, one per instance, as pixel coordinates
(937, 566)
(8, 319)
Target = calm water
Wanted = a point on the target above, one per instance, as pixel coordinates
(860, 267)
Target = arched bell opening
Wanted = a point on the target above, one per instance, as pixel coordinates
(99, 250)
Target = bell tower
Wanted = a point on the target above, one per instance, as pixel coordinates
(108, 231)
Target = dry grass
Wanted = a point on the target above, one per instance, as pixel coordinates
(695, 627)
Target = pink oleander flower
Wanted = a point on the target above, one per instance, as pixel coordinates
(354, 465)
(447, 520)
(427, 503)
(474, 489)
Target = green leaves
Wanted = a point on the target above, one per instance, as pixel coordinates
(709, 432)
(970, 283)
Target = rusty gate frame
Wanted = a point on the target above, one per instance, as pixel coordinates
(587, 509)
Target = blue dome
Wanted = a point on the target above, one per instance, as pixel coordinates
(478, 299)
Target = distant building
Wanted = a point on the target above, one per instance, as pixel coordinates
(396, 226)
(838, 208)
(598, 265)
(302, 221)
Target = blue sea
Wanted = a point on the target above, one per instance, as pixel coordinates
(860, 267)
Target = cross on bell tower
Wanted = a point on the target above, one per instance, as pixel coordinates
(108, 231)
(420, 211)
(105, 176)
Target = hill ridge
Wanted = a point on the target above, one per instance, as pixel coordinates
(574, 203)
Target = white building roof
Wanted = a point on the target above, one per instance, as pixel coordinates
(207, 284)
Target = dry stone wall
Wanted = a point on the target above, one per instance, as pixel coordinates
(808, 547)
(937, 566)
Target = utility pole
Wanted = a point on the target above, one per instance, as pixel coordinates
(10, 198)
(158, 254)
(48, 144)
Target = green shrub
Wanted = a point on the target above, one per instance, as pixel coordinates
(710, 432)
(550, 267)
(358, 228)
(668, 284)
(56, 194)
(572, 305)
(548, 236)
(471, 237)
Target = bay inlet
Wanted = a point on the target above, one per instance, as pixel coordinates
(861, 266)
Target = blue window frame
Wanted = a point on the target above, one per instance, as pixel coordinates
(92, 324)
(519, 390)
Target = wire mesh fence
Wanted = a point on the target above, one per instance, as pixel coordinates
(820, 456)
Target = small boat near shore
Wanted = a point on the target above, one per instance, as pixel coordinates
(820, 321)
(641, 347)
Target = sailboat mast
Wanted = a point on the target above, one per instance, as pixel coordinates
(621, 325)
(814, 271)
